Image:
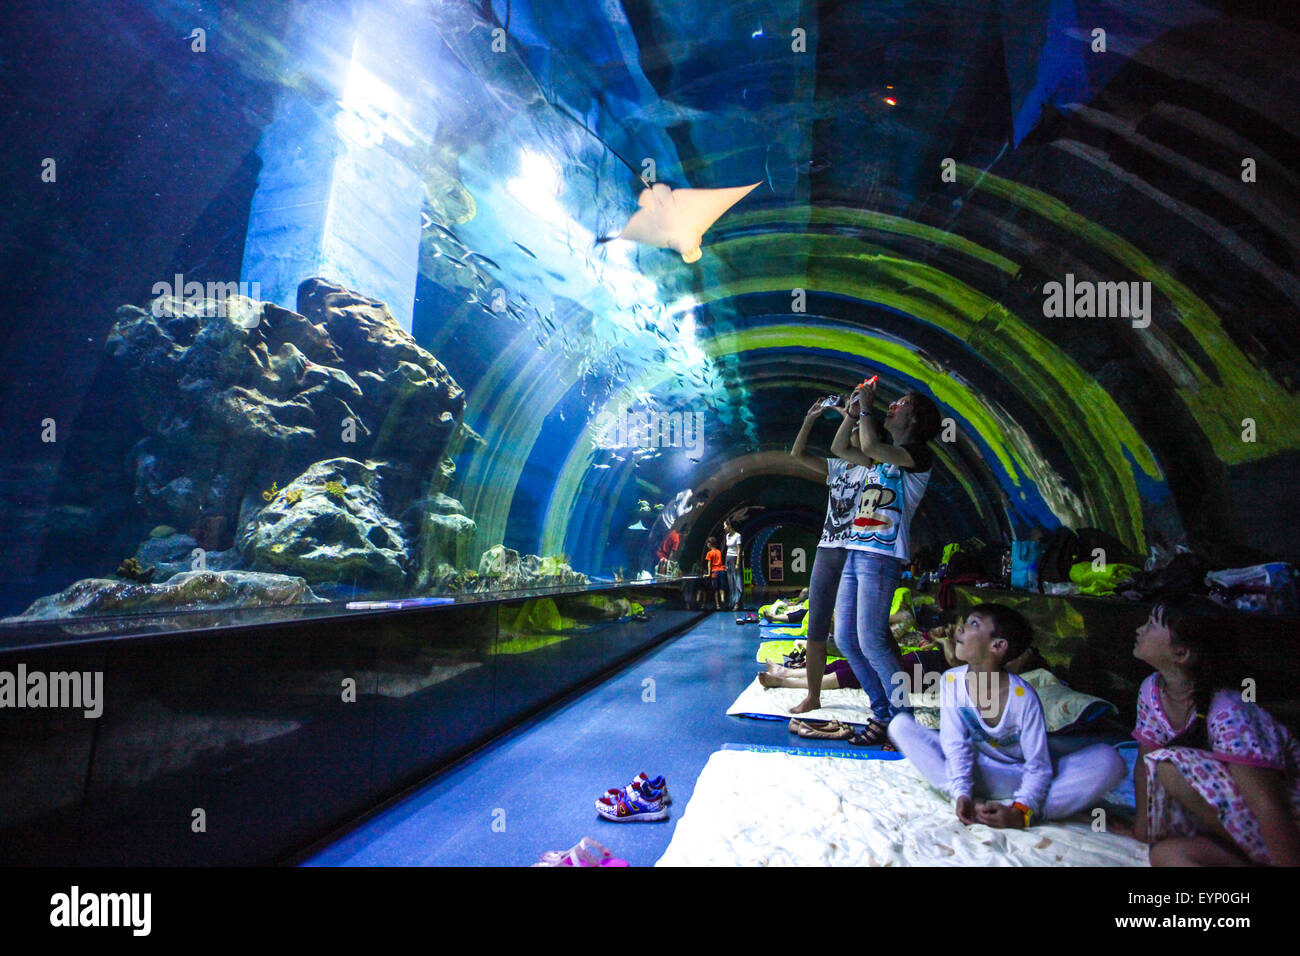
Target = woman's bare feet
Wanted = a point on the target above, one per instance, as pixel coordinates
(809, 703)
(777, 675)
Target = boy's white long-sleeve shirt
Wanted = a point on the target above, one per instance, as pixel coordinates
(1020, 736)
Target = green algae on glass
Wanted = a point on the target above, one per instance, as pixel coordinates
(1243, 389)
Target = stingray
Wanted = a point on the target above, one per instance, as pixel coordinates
(677, 219)
(668, 218)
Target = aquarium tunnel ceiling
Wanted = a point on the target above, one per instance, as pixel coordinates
(1073, 226)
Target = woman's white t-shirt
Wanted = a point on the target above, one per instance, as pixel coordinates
(888, 500)
(845, 481)
(733, 544)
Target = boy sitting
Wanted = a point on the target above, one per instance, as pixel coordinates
(992, 742)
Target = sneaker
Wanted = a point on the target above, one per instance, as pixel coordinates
(651, 789)
(630, 807)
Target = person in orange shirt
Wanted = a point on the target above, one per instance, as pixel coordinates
(717, 571)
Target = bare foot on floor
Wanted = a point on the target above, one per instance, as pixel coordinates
(807, 704)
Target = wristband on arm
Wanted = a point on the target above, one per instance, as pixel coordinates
(1023, 809)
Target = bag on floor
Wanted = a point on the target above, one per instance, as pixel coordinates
(1113, 551)
(1025, 556)
(1060, 553)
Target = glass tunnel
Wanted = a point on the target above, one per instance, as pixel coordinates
(363, 245)
(327, 306)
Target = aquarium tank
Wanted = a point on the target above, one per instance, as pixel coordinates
(321, 301)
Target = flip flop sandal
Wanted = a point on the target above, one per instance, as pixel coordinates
(587, 853)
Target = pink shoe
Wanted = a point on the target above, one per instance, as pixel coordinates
(586, 853)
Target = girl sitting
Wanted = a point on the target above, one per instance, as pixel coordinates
(1217, 779)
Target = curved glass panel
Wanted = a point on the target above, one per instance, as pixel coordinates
(326, 301)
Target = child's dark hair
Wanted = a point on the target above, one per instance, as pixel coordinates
(1196, 626)
(926, 419)
(712, 543)
(1009, 626)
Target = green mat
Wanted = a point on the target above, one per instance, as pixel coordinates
(775, 651)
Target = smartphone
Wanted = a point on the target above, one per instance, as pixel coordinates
(830, 401)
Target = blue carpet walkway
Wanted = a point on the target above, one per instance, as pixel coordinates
(539, 782)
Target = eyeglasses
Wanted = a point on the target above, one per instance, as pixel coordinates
(900, 403)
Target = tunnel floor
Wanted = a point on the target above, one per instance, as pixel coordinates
(539, 782)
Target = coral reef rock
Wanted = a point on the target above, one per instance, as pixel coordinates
(504, 569)
(190, 590)
(445, 534)
(231, 403)
(176, 553)
(329, 525)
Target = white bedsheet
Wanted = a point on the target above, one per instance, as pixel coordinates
(846, 704)
(775, 809)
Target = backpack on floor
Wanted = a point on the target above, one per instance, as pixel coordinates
(1115, 551)
(1060, 553)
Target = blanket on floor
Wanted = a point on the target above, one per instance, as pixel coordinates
(848, 705)
(775, 809)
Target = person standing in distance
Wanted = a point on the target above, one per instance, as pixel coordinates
(734, 583)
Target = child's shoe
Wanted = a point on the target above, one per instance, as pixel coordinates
(629, 806)
(651, 789)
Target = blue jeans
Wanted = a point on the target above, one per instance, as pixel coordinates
(862, 626)
(828, 566)
(733, 582)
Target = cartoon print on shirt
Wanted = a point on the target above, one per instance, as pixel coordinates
(970, 717)
(845, 486)
(877, 516)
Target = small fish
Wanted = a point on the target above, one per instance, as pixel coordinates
(526, 250)
(446, 232)
(483, 259)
